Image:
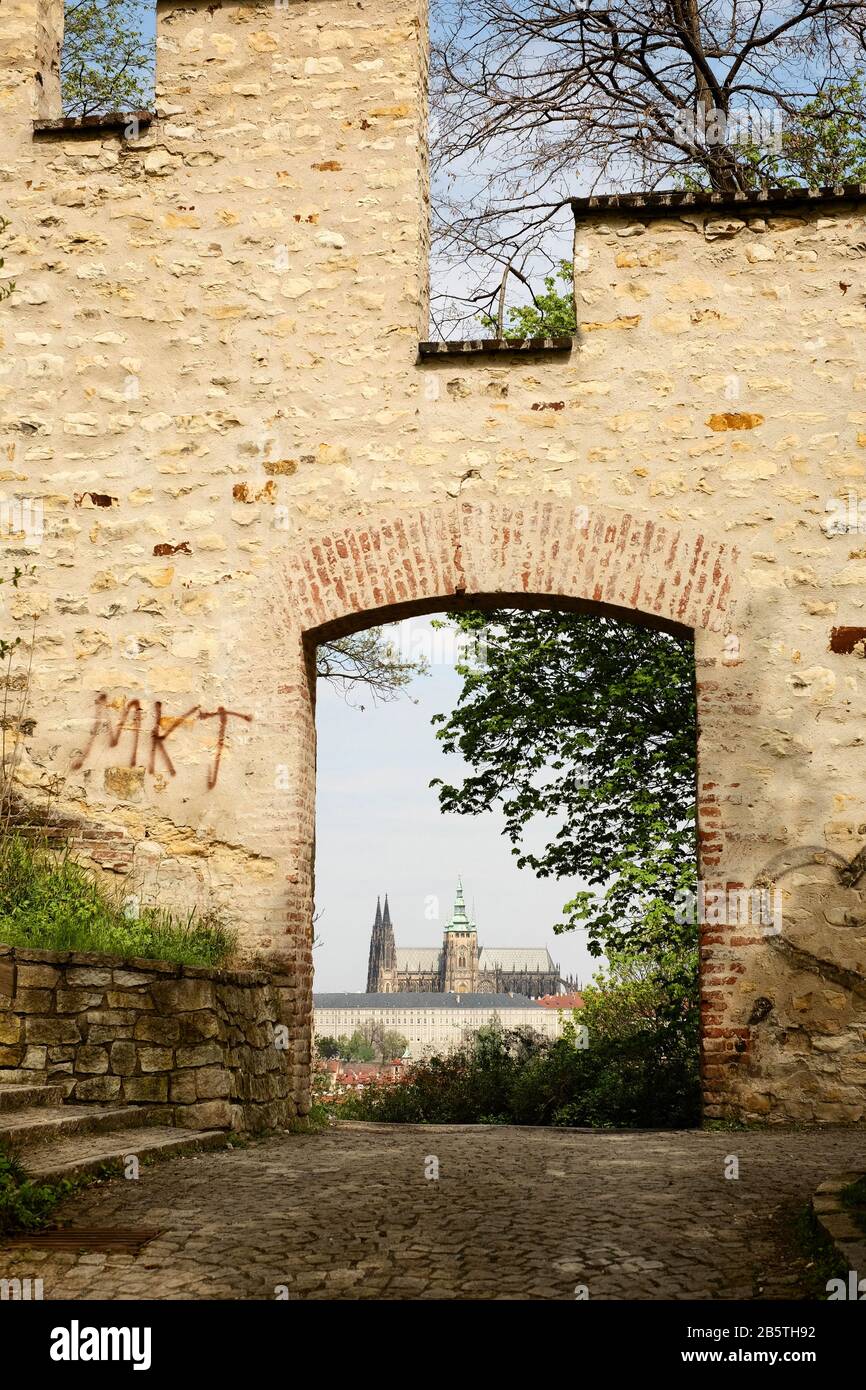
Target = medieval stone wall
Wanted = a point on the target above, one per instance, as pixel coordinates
(211, 383)
(201, 1043)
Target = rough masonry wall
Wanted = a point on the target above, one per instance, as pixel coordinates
(211, 382)
(201, 1043)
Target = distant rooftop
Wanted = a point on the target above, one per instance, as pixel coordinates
(514, 959)
(561, 1001)
(408, 999)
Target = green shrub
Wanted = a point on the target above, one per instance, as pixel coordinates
(640, 1067)
(26, 1205)
(52, 903)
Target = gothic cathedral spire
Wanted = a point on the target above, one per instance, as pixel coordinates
(389, 960)
(383, 951)
(374, 963)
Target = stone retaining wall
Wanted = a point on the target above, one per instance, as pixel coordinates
(204, 1043)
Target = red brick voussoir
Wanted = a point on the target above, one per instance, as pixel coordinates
(353, 574)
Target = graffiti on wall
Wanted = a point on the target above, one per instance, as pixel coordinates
(155, 755)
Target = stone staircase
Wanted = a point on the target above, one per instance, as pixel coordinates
(53, 1139)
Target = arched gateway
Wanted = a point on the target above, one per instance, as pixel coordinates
(218, 410)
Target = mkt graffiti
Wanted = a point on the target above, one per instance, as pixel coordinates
(155, 734)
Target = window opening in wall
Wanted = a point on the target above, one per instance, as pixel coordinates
(108, 60)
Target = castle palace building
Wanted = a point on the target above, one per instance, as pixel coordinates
(459, 965)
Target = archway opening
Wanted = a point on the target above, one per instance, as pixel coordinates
(505, 837)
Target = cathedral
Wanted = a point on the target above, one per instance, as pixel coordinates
(459, 964)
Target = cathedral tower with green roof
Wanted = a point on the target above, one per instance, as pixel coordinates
(460, 949)
(459, 965)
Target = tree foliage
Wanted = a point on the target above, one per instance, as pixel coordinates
(374, 1042)
(550, 315)
(105, 60)
(825, 143)
(358, 1048)
(820, 145)
(368, 661)
(640, 1067)
(581, 731)
(539, 101)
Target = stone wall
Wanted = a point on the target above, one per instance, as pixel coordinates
(212, 385)
(202, 1043)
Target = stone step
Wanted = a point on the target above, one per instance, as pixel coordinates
(92, 1153)
(20, 1076)
(24, 1097)
(34, 1127)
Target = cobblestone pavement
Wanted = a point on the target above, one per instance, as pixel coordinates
(514, 1213)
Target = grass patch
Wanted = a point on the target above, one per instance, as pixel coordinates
(50, 902)
(854, 1198)
(27, 1204)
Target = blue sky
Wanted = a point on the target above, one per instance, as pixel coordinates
(379, 829)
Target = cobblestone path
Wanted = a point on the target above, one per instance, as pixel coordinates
(514, 1213)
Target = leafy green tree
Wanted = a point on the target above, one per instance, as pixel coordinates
(550, 315)
(391, 1045)
(825, 143)
(327, 1047)
(105, 61)
(582, 731)
(821, 143)
(632, 998)
(386, 1044)
(357, 1048)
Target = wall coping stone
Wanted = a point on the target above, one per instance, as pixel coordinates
(91, 125)
(452, 347)
(660, 203)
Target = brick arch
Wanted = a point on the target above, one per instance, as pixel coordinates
(351, 576)
(541, 554)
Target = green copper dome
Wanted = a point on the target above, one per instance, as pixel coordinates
(459, 919)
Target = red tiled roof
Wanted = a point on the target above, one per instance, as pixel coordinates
(561, 1001)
